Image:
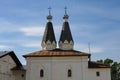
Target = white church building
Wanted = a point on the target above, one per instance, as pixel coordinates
(52, 63)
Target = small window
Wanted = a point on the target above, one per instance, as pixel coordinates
(97, 73)
(22, 75)
(41, 73)
(69, 73)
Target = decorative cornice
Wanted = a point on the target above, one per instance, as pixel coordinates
(48, 45)
(66, 45)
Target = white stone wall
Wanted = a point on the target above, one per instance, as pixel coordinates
(19, 74)
(6, 63)
(55, 68)
(104, 74)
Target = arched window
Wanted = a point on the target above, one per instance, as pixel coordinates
(41, 73)
(69, 73)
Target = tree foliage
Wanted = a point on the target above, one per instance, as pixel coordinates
(115, 68)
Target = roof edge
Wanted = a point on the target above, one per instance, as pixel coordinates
(93, 65)
(56, 55)
(14, 57)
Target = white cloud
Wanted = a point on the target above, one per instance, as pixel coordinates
(96, 50)
(93, 50)
(33, 31)
(4, 47)
(110, 13)
(7, 26)
(38, 31)
(85, 48)
(35, 44)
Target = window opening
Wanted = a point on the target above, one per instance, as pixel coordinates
(97, 73)
(41, 73)
(69, 73)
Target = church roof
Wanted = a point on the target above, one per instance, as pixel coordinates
(92, 64)
(56, 53)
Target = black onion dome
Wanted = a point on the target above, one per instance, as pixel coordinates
(49, 33)
(66, 33)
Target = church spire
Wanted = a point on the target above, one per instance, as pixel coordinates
(66, 41)
(49, 41)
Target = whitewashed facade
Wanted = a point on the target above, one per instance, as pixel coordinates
(6, 63)
(56, 68)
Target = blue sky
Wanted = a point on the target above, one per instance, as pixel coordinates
(22, 24)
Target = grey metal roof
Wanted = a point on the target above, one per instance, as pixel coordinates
(49, 33)
(66, 33)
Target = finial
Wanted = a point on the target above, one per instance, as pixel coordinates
(65, 17)
(49, 10)
(65, 10)
(49, 17)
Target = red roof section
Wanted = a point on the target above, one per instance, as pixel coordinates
(65, 53)
(56, 53)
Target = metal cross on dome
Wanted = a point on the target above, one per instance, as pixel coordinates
(49, 10)
(65, 10)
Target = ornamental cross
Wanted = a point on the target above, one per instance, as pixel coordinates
(49, 10)
(65, 10)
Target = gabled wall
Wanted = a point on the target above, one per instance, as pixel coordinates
(104, 74)
(6, 63)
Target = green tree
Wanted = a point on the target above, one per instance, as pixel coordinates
(115, 68)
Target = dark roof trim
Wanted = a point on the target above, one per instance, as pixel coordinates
(4, 53)
(93, 65)
(18, 68)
